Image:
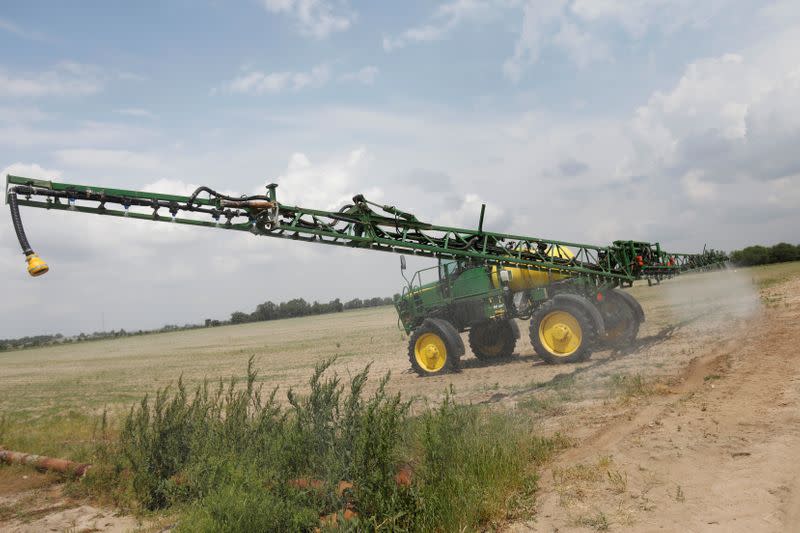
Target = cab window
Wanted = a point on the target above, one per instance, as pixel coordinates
(448, 268)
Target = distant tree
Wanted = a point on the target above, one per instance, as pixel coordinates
(238, 317)
(355, 303)
(783, 252)
(762, 255)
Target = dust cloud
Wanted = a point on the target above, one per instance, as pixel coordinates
(718, 295)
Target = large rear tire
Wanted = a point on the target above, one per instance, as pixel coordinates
(620, 319)
(561, 332)
(433, 349)
(492, 340)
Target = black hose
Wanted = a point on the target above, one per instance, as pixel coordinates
(17, 221)
(214, 193)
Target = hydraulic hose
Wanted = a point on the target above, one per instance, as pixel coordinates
(36, 267)
(17, 221)
(221, 196)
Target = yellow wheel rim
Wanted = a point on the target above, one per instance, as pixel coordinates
(560, 333)
(430, 352)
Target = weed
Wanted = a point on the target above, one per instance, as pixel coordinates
(679, 496)
(598, 522)
(231, 458)
(618, 481)
(631, 386)
(471, 463)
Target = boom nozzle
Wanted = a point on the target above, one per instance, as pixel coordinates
(36, 266)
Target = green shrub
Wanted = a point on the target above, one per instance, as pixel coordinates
(242, 503)
(472, 463)
(230, 458)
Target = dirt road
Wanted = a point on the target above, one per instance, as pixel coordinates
(717, 451)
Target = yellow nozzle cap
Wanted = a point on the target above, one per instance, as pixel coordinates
(36, 267)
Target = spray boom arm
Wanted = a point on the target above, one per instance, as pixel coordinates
(361, 224)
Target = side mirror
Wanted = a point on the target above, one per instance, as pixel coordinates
(402, 262)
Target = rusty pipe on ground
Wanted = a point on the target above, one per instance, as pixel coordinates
(42, 462)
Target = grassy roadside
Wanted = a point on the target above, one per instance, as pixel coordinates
(230, 457)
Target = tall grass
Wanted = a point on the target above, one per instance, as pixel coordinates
(229, 457)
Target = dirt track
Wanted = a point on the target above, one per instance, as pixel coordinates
(718, 451)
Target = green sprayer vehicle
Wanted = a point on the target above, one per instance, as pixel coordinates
(571, 293)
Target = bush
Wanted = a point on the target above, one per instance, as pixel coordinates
(231, 458)
(472, 464)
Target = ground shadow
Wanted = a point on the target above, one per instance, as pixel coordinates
(565, 378)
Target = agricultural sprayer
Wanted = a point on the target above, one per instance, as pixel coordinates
(571, 293)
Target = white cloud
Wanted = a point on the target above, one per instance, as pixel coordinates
(637, 17)
(537, 19)
(326, 185)
(135, 112)
(732, 116)
(10, 27)
(696, 189)
(33, 171)
(257, 82)
(108, 160)
(365, 75)
(444, 19)
(582, 29)
(88, 133)
(583, 47)
(66, 78)
(23, 115)
(314, 18)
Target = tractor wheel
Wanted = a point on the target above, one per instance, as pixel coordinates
(433, 351)
(621, 322)
(492, 340)
(562, 332)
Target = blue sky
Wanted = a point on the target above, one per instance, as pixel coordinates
(584, 120)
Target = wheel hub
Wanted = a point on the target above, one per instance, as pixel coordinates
(561, 332)
(431, 353)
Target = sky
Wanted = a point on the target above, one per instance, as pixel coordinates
(673, 121)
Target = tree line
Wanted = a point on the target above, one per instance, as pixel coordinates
(266, 311)
(763, 255)
(299, 307)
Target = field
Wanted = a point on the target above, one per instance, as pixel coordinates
(693, 427)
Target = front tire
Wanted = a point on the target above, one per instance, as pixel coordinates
(562, 333)
(432, 352)
(492, 340)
